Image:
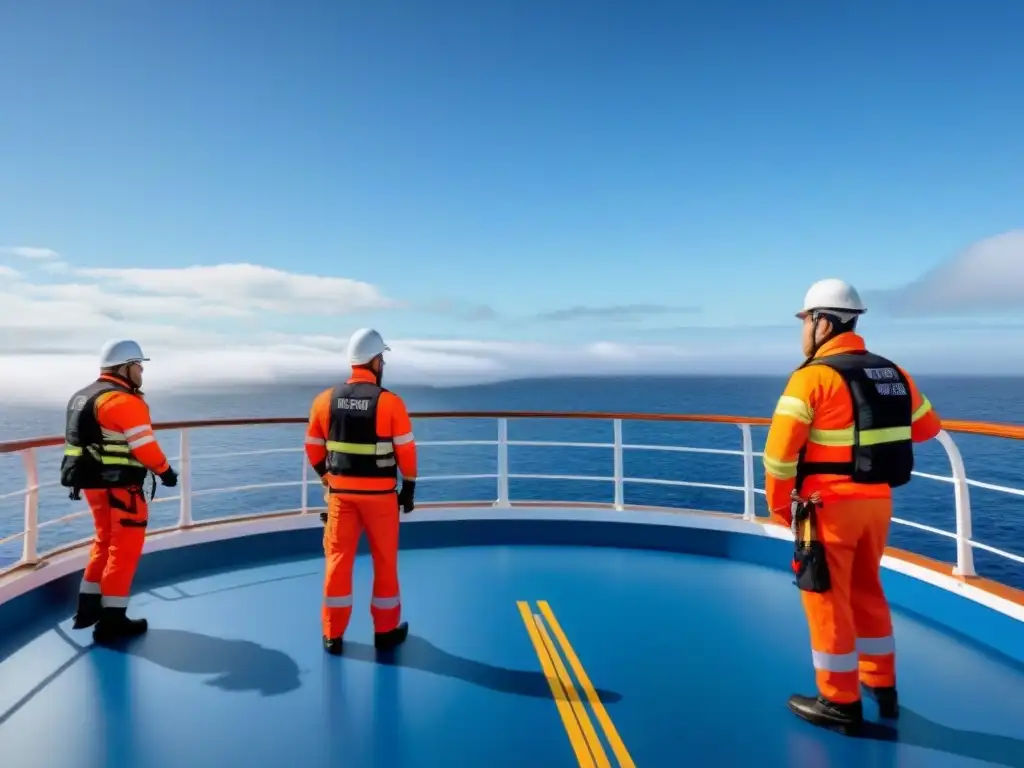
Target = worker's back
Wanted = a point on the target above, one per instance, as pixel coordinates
(358, 439)
(819, 400)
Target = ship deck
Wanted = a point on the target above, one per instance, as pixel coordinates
(689, 658)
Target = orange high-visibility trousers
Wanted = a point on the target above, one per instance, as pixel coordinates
(851, 625)
(120, 517)
(348, 515)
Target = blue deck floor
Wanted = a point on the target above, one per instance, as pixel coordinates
(693, 657)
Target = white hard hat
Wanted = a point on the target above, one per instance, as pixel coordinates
(835, 296)
(120, 351)
(365, 345)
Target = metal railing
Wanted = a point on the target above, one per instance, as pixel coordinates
(962, 534)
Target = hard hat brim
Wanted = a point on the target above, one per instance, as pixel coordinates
(805, 312)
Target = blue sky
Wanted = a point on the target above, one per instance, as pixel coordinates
(523, 155)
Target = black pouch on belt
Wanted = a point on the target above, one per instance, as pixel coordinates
(809, 563)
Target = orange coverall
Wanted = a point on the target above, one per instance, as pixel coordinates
(850, 625)
(120, 515)
(373, 506)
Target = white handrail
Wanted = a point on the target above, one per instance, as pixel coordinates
(29, 549)
(962, 494)
(185, 482)
(185, 493)
(503, 493)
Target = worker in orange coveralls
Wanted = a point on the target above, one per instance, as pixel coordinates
(109, 450)
(841, 438)
(358, 439)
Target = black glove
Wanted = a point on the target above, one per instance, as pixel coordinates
(406, 495)
(323, 518)
(169, 478)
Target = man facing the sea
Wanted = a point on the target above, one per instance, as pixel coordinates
(841, 438)
(358, 439)
(109, 450)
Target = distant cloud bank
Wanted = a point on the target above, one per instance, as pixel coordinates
(220, 325)
(986, 278)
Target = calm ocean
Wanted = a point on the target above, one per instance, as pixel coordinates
(998, 518)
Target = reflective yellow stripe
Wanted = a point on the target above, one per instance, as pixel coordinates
(781, 470)
(921, 410)
(71, 450)
(844, 437)
(888, 435)
(382, 448)
(115, 460)
(795, 408)
(360, 449)
(103, 458)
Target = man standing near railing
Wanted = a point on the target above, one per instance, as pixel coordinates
(841, 438)
(109, 449)
(358, 438)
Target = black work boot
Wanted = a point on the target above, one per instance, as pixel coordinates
(385, 641)
(888, 701)
(90, 608)
(332, 645)
(845, 718)
(115, 625)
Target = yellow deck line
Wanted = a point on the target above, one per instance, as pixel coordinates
(572, 727)
(614, 740)
(578, 707)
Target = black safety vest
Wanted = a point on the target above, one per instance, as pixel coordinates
(882, 450)
(354, 449)
(91, 460)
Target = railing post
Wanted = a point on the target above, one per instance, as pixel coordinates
(30, 539)
(749, 499)
(962, 496)
(185, 483)
(305, 484)
(617, 465)
(503, 499)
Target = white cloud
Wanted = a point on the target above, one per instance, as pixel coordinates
(29, 252)
(985, 278)
(46, 378)
(215, 326)
(59, 308)
(246, 289)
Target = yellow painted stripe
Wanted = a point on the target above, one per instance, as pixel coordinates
(572, 728)
(578, 707)
(614, 740)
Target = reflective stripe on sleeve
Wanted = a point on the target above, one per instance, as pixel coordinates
(795, 408)
(922, 410)
(141, 441)
(780, 470)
